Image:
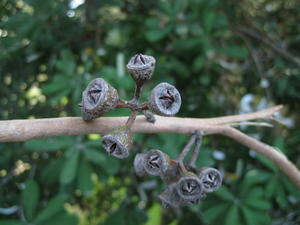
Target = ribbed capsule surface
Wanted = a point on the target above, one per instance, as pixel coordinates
(139, 164)
(98, 98)
(141, 67)
(189, 187)
(118, 143)
(156, 162)
(211, 179)
(164, 100)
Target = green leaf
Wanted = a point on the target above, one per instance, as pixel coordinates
(257, 203)
(271, 187)
(267, 163)
(58, 84)
(95, 156)
(209, 20)
(154, 214)
(248, 216)
(225, 194)
(66, 64)
(281, 197)
(111, 165)
(30, 198)
(216, 211)
(255, 177)
(54, 206)
(49, 144)
(117, 218)
(159, 33)
(205, 158)
(235, 51)
(84, 182)
(279, 143)
(289, 186)
(69, 170)
(198, 63)
(51, 173)
(253, 217)
(232, 216)
(255, 192)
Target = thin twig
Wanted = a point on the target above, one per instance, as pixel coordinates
(187, 147)
(137, 93)
(257, 124)
(269, 152)
(194, 156)
(131, 118)
(257, 62)
(267, 41)
(134, 106)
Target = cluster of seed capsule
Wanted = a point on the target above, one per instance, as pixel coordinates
(186, 184)
(100, 97)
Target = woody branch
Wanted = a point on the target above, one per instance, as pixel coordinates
(23, 130)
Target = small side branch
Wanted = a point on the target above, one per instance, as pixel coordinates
(269, 152)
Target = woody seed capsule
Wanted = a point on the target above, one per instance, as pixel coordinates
(189, 187)
(156, 162)
(139, 164)
(211, 179)
(141, 67)
(118, 143)
(98, 98)
(165, 100)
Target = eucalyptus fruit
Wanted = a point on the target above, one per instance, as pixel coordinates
(165, 100)
(98, 98)
(141, 67)
(118, 143)
(211, 179)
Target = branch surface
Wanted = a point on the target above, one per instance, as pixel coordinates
(23, 130)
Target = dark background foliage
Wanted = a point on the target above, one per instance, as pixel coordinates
(225, 57)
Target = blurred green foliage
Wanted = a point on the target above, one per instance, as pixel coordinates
(51, 49)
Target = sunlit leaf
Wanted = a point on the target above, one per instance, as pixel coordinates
(154, 214)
